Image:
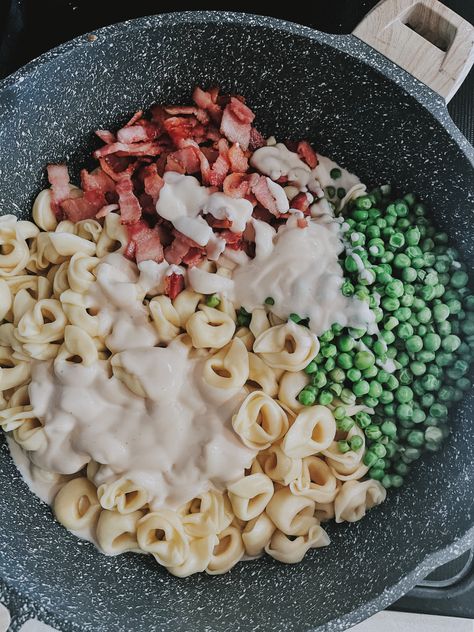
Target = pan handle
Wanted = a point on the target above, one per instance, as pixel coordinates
(425, 38)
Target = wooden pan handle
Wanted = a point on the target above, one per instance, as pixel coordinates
(425, 38)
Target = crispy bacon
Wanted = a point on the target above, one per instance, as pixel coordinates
(185, 160)
(238, 160)
(207, 101)
(194, 256)
(175, 252)
(239, 185)
(233, 240)
(307, 153)
(257, 140)
(129, 149)
(152, 182)
(180, 128)
(130, 211)
(105, 210)
(137, 133)
(144, 242)
(106, 136)
(136, 117)
(234, 129)
(264, 196)
(79, 208)
(174, 284)
(218, 223)
(58, 177)
(300, 202)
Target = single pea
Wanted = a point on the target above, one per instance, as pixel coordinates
(378, 449)
(396, 480)
(459, 279)
(403, 314)
(426, 356)
(376, 473)
(432, 342)
(413, 236)
(458, 370)
(435, 370)
(370, 372)
(337, 375)
(339, 412)
(416, 438)
(347, 397)
(414, 344)
(409, 274)
(418, 368)
(405, 376)
(433, 434)
(213, 300)
(370, 458)
(427, 399)
(402, 468)
(335, 173)
(386, 397)
(370, 402)
(306, 397)
(405, 331)
(390, 304)
(382, 376)
(467, 327)
(375, 389)
(364, 359)
(454, 305)
(464, 383)
(331, 191)
(440, 312)
(401, 261)
(344, 361)
(356, 443)
(417, 263)
(404, 412)
(389, 410)
(345, 424)
(418, 416)
(422, 330)
(343, 446)
(403, 359)
(345, 343)
(430, 382)
(389, 429)
(394, 288)
(357, 333)
(363, 202)
(325, 398)
(392, 383)
(469, 302)
(328, 351)
(353, 374)
(363, 420)
(361, 388)
(397, 240)
(427, 293)
(438, 410)
(269, 301)
(446, 393)
(424, 315)
(347, 288)
(388, 336)
(451, 343)
(312, 367)
(329, 364)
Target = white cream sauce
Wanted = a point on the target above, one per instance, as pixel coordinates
(302, 274)
(175, 443)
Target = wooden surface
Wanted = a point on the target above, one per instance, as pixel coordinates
(425, 38)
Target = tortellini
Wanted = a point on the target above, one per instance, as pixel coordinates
(165, 317)
(312, 431)
(257, 534)
(117, 532)
(227, 552)
(210, 328)
(289, 346)
(260, 421)
(123, 495)
(162, 534)
(250, 495)
(208, 514)
(76, 505)
(356, 497)
(316, 481)
(292, 550)
(228, 368)
(294, 515)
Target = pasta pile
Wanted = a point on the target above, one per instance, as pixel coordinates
(298, 478)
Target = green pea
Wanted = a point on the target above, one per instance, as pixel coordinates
(454, 306)
(464, 383)
(356, 443)
(458, 370)
(401, 468)
(335, 173)
(427, 293)
(364, 359)
(363, 420)
(416, 438)
(433, 434)
(396, 480)
(394, 288)
(390, 304)
(386, 397)
(388, 336)
(344, 425)
(328, 351)
(451, 343)
(403, 359)
(376, 473)
(389, 429)
(353, 375)
(459, 279)
(343, 446)
(404, 412)
(347, 397)
(361, 388)
(213, 300)
(412, 236)
(438, 410)
(440, 312)
(392, 383)
(375, 389)
(329, 364)
(337, 375)
(363, 202)
(405, 331)
(389, 410)
(370, 458)
(269, 301)
(370, 372)
(430, 382)
(426, 356)
(312, 367)
(346, 343)
(432, 342)
(418, 416)
(379, 450)
(306, 397)
(414, 344)
(418, 368)
(401, 261)
(403, 314)
(325, 398)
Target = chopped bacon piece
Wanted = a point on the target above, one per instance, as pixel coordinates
(97, 180)
(263, 214)
(221, 166)
(175, 252)
(130, 211)
(210, 153)
(144, 242)
(207, 101)
(256, 139)
(239, 185)
(194, 256)
(79, 208)
(233, 127)
(106, 136)
(201, 114)
(129, 149)
(300, 202)
(233, 240)
(218, 223)
(174, 284)
(263, 194)
(238, 160)
(136, 117)
(136, 134)
(307, 153)
(186, 240)
(152, 182)
(240, 110)
(282, 180)
(180, 128)
(58, 177)
(302, 222)
(203, 161)
(105, 210)
(185, 160)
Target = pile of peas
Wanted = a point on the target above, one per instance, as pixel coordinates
(418, 363)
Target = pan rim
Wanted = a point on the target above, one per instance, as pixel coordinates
(351, 46)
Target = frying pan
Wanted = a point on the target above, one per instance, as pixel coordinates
(375, 119)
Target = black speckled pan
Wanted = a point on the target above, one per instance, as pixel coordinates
(377, 121)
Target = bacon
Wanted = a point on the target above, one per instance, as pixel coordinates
(221, 165)
(238, 160)
(300, 202)
(152, 182)
(174, 284)
(193, 257)
(233, 240)
(175, 252)
(233, 128)
(130, 210)
(307, 153)
(207, 101)
(136, 134)
(58, 177)
(136, 117)
(240, 110)
(180, 128)
(129, 149)
(106, 136)
(263, 214)
(105, 210)
(210, 153)
(115, 166)
(145, 243)
(201, 114)
(302, 222)
(79, 208)
(218, 223)
(98, 180)
(186, 240)
(183, 160)
(203, 161)
(263, 194)
(256, 139)
(239, 185)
